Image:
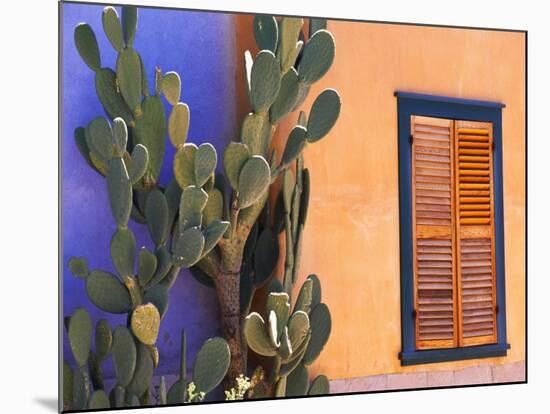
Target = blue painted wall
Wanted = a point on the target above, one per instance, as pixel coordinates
(201, 48)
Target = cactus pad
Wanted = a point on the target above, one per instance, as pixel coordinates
(99, 401)
(80, 336)
(147, 264)
(120, 191)
(99, 138)
(255, 332)
(201, 277)
(178, 124)
(265, 80)
(272, 329)
(184, 165)
(171, 87)
(278, 303)
(67, 386)
(319, 386)
(288, 190)
(303, 303)
(129, 24)
(298, 328)
(107, 293)
(192, 203)
(213, 211)
(164, 262)
(211, 364)
(82, 145)
(213, 233)
(255, 133)
(156, 212)
(117, 397)
(294, 145)
(128, 75)
(266, 255)
(317, 57)
(316, 296)
(138, 165)
(177, 392)
(304, 200)
(266, 32)
(297, 382)
(123, 252)
(79, 267)
(289, 32)
(103, 338)
(150, 131)
(287, 96)
(124, 355)
(81, 391)
(143, 373)
(158, 296)
(120, 136)
(113, 28)
(86, 44)
(107, 91)
(254, 180)
(320, 323)
(205, 163)
(189, 247)
(236, 154)
(285, 350)
(323, 115)
(146, 323)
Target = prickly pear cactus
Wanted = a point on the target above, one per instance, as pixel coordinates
(210, 367)
(218, 225)
(294, 340)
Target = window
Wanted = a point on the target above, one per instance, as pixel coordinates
(451, 225)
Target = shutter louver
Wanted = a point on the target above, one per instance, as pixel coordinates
(475, 233)
(433, 233)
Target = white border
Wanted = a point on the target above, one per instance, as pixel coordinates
(28, 148)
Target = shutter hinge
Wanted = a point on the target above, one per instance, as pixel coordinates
(414, 313)
(493, 145)
(411, 139)
(496, 309)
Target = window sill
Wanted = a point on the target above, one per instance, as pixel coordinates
(453, 354)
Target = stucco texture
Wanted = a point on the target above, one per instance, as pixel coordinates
(351, 240)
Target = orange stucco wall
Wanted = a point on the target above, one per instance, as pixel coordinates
(351, 240)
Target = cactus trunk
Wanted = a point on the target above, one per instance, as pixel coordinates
(228, 285)
(227, 288)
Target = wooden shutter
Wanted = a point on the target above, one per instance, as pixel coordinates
(433, 233)
(475, 233)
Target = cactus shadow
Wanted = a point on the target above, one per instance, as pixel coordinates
(49, 403)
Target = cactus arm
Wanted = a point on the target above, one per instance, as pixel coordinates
(248, 216)
(289, 259)
(234, 217)
(210, 264)
(274, 375)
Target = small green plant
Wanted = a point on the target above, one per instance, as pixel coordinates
(83, 387)
(221, 226)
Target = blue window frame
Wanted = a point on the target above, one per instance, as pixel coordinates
(459, 109)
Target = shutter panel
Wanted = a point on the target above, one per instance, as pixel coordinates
(433, 233)
(475, 233)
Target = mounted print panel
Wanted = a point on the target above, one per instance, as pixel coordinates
(263, 207)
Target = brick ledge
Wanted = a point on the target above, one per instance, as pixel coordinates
(480, 374)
